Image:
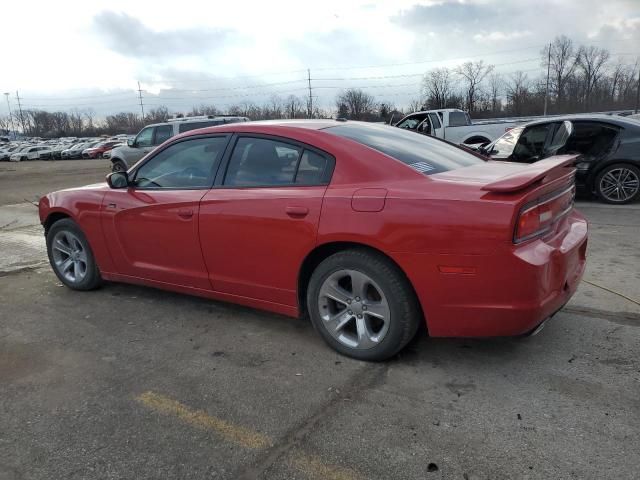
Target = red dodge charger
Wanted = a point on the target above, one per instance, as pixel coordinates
(368, 229)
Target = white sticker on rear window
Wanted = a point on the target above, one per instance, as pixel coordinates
(422, 167)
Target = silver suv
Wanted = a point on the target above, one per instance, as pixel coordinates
(151, 136)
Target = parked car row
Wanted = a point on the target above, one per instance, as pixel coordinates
(59, 149)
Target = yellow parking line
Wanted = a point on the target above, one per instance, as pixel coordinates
(199, 418)
(313, 467)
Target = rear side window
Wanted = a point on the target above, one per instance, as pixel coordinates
(434, 120)
(262, 162)
(425, 154)
(311, 169)
(457, 119)
(187, 126)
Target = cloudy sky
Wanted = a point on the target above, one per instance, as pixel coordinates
(92, 53)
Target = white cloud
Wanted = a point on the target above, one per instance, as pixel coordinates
(78, 48)
(497, 36)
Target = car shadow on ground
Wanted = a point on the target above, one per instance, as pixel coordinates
(421, 350)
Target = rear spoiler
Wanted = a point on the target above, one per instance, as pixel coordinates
(531, 174)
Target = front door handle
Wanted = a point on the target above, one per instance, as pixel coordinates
(185, 213)
(297, 211)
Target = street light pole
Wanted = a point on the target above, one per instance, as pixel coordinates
(10, 116)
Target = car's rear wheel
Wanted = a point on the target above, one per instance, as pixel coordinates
(118, 166)
(618, 183)
(363, 305)
(71, 257)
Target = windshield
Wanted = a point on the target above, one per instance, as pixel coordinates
(507, 142)
(425, 154)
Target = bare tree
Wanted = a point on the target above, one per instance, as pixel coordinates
(473, 74)
(203, 109)
(591, 61)
(89, 115)
(562, 65)
(438, 86)
(294, 107)
(517, 92)
(416, 105)
(496, 86)
(157, 115)
(359, 104)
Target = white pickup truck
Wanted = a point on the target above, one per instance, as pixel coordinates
(455, 126)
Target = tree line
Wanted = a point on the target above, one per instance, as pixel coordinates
(581, 79)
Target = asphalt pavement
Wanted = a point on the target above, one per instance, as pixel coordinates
(132, 382)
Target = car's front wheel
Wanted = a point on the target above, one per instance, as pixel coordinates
(618, 183)
(71, 257)
(118, 166)
(363, 305)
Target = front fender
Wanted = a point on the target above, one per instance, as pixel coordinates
(83, 205)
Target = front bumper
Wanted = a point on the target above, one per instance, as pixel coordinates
(509, 292)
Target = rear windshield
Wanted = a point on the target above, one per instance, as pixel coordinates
(458, 119)
(422, 153)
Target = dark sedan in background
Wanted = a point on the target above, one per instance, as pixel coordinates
(609, 148)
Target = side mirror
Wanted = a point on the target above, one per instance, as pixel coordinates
(118, 180)
(131, 142)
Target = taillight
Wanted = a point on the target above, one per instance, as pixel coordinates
(537, 218)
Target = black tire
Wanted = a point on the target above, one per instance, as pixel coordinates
(118, 166)
(91, 278)
(405, 314)
(610, 197)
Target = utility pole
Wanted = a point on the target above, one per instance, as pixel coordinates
(310, 103)
(638, 92)
(24, 130)
(546, 91)
(140, 97)
(10, 116)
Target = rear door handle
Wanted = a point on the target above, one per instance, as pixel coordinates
(184, 213)
(297, 211)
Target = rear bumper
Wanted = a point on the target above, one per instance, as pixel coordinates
(507, 293)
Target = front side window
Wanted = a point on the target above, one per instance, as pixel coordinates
(163, 133)
(262, 162)
(145, 138)
(186, 164)
(425, 154)
(412, 122)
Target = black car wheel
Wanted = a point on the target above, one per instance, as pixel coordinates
(618, 184)
(363, 305)
(118, 166)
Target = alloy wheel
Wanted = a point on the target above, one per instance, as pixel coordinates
(69, 256)
(354, 309)
(619, 184)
